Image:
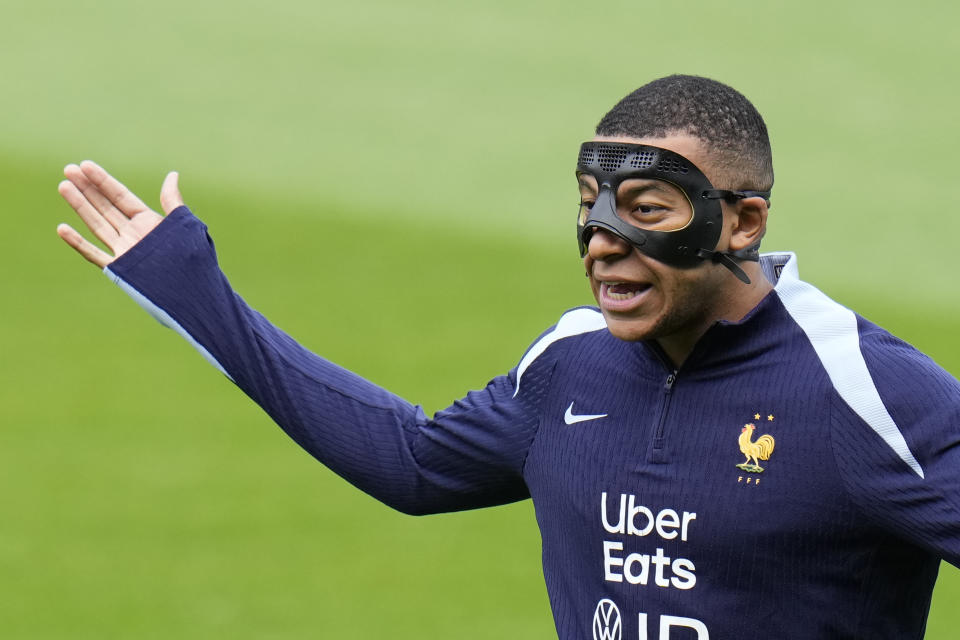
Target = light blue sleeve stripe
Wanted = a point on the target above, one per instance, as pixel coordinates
(163, 317)
(832, 330)
(571, 323)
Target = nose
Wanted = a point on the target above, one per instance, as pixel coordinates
(606, 245)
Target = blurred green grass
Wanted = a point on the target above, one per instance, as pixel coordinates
(152, 500)
(389, 182)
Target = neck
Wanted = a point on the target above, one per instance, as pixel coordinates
(733, 302)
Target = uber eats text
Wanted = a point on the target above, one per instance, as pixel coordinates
(630, 519)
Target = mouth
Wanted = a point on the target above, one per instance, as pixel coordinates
(620, 295)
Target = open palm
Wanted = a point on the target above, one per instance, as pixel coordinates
(112, 212)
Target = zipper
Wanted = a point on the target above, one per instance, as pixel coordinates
(657, 454)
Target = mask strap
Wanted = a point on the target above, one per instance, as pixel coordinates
(729, 258)
(726, 258)
(732, 196)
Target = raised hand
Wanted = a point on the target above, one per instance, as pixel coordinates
(116, 216)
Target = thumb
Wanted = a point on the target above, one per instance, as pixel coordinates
(170, 197)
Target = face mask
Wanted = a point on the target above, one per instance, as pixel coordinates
(679, 241)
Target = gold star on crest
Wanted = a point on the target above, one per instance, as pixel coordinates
(770, 418)
(756, 416)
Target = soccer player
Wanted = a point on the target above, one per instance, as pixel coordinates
(716, 450)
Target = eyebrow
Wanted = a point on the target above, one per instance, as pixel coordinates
(654, 185)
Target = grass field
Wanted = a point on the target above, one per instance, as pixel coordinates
(391, 183)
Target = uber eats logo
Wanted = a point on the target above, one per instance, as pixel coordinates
(627, 518)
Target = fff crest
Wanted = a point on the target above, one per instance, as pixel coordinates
(754, 450)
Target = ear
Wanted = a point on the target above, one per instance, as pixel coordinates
(749, 222)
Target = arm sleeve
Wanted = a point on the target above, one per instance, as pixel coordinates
(467, 456)
(919, 502)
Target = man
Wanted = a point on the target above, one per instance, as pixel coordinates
(719, 451)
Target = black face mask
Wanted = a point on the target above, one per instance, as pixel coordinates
(685, 247)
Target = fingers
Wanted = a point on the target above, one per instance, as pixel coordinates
(96, 200)
(84, 247)
(112, 212)
(170, 197)
(116, 193)
(90, 215)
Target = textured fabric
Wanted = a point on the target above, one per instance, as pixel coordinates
(743, 495)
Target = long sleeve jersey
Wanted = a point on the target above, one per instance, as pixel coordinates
(797, 477)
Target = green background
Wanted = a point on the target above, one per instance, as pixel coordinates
(391, 182)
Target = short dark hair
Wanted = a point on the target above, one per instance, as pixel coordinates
(730, 126)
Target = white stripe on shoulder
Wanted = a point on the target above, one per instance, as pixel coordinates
(572, 323)
(163, 318)
(832, 330)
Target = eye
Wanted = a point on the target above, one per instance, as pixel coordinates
(649, 214)
(646, 210)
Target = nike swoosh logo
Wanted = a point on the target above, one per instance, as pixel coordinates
(570, 418)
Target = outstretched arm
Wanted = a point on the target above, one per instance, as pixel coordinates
(112, 212)
(469, 456)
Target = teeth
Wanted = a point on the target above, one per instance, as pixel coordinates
(633, 290)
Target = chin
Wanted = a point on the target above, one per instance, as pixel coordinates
(629, 329)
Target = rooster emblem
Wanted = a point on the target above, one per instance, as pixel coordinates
(756, 450)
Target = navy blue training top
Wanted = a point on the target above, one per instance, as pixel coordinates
(797, 477)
